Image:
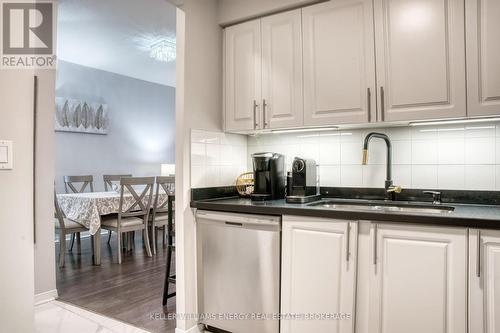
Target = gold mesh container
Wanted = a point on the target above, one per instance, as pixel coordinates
(245, 184)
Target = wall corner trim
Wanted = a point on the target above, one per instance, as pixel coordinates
(46, 296)
(195, 329)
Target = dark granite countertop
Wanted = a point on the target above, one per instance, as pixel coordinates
(465, 215)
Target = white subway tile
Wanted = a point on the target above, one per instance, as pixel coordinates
(212, 175)
(351, 175)
(227, 156)
(424, 133)
(399, 133)
(480, 150)
(451, 131)
(497, 150)
(480, 177)
(374, 175)
(451, 177)
(401, 153)
(424, 152)
(228, 175)
(329, 175)
(451, 151)
(198, 179)
(329, 153)
(352, 136)
(377, 152)
(401, 175)
(309, 151)
(479, 130)
(198, 153)
(424, 176)
(497, 176)
(213, 154)
(351, 153)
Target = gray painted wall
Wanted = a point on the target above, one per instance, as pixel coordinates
(142, 126)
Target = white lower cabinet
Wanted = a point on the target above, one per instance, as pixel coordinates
(418, 279)
(484, 281)
(319, 258)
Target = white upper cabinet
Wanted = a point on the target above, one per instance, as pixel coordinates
(319, 260)
(282, 102)
(418, 279)
(484, 281)
(420, 48)
(339, 63)
(483, 57)
(242, 76)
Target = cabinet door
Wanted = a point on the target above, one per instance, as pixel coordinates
(484, 281)
(483, 57)
(242, 76)
(420, 59)
(282, 103)
(339, 63)
(418, 280)
(318, 273)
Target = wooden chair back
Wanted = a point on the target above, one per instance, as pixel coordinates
(167, 184)
(59, 214)
(110, 179)
(84, 181)
(142, 201)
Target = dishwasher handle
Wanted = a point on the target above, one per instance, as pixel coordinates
(238, 220)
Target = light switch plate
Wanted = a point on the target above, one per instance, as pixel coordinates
(5, 155)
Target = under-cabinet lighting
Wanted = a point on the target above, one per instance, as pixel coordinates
(456, 121)
(299, 130)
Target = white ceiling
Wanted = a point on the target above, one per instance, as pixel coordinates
(115, 36)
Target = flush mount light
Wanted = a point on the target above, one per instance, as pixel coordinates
(454, 121)
(163, 50)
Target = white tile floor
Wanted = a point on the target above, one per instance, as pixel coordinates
(59, 317)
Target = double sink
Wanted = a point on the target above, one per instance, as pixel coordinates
(384, 206)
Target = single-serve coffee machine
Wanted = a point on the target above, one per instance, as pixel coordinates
(269, 176)
(302, 185)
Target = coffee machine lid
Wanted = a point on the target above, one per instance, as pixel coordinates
(268, 155)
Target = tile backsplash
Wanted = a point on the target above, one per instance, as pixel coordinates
(217, 158)
(441, 157)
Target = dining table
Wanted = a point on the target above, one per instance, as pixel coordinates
(88, 208)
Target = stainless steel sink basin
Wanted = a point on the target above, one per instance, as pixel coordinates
(385, 206)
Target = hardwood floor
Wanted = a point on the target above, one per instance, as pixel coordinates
(130, 292)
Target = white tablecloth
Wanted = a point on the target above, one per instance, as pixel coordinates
(87, 208)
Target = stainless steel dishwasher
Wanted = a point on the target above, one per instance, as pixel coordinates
(238, 264)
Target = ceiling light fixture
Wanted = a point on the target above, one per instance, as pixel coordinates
(163, 50)
(454, 121)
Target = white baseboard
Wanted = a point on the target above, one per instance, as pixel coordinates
(46, 297)
(194, 329)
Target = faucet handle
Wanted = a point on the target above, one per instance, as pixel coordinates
(394, 188)
(436, 196)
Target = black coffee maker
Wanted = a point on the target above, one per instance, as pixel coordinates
(269, 176)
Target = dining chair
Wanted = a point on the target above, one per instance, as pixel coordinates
(159, 217)
(132, 214)
(109, 180)
(70, 185)
(85, 181)
(65, 227)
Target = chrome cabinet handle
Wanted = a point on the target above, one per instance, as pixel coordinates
(369, 96)
(264, 111)
(375, 230)
(382, 103)
(255, 123)
(348, 241)
(478, 254)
